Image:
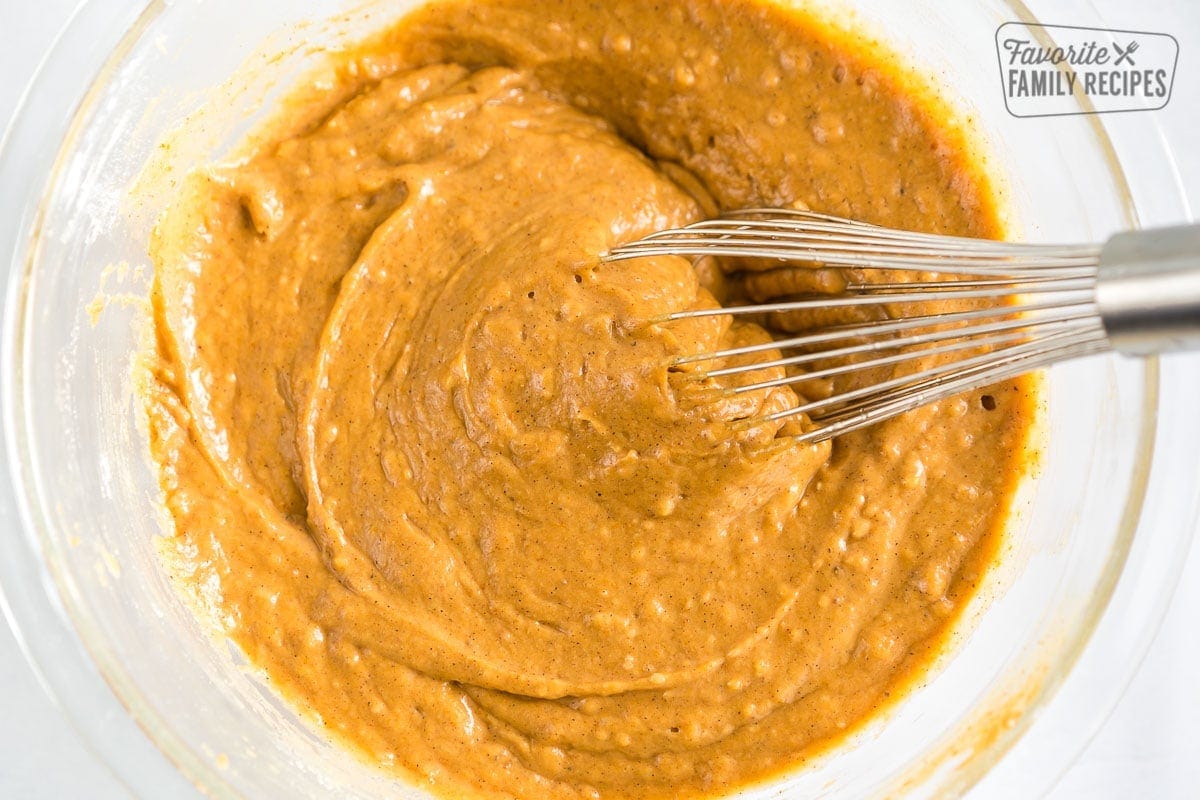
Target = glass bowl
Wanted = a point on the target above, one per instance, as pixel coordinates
(1091, 559)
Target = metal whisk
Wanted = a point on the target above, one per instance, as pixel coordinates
(1026, 307)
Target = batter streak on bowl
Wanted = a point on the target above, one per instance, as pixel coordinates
(425, 460)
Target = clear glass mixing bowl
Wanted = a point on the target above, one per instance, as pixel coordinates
(1092, 556)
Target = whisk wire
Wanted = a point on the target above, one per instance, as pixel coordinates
(817, 238)
(1027, 306)
(978, 336)
(1033, 315)
(883, 400)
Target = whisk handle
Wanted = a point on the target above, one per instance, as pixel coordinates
(1148, 290)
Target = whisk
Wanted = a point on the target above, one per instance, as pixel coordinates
(1030, 306)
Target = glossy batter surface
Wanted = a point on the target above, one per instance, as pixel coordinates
(425, 459)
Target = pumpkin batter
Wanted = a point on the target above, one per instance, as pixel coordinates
(425, 459)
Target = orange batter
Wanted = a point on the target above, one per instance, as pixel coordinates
(427, 464)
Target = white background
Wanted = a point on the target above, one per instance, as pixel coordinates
(1150, 748)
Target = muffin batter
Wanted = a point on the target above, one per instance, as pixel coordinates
(426, 461)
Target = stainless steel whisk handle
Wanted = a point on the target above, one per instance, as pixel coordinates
(1148, 290)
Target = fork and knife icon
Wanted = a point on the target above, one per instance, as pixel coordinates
(1125, 55)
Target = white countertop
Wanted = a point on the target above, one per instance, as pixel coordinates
(1149, 748)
